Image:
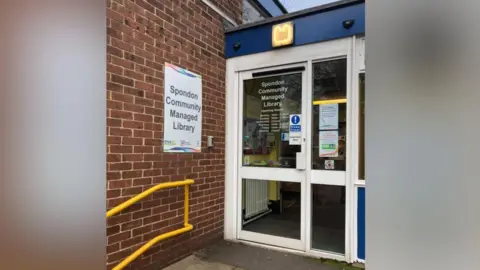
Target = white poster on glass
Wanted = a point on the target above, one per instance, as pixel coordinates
(328, 143)
(328, 116)
(183, 110)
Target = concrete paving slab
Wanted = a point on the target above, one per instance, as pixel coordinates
(233, 256)
(255, 258)
(195, 263)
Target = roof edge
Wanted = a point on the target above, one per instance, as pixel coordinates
(294, 15)
(280, 6)
(260, 8)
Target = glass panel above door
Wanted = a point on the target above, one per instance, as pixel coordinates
(268, 105)
(329, 115)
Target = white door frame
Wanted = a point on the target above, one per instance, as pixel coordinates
(334, 178)
(340, 48)
(270, 173)
(359, 67)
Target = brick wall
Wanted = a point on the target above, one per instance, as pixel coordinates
(142, 36)
(233, 8)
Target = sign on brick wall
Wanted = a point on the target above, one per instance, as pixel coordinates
(183, 110)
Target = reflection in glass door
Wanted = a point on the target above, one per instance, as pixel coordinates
(272, 178)
(268, 104)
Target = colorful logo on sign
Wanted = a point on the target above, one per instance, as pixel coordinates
(182, 71)
(184, 143)
(167, 142)
(184, 149)
(282, 34)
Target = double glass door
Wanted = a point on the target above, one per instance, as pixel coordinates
(293, 154)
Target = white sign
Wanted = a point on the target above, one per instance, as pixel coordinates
(328, 116)
(295, 130)
(183, 110)
(328, 143)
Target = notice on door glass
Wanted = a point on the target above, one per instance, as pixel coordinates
(328, 143)
(329, 164)
(328, 116)
(271, 95)
(295, 131)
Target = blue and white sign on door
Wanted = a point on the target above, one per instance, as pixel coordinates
(295, 136)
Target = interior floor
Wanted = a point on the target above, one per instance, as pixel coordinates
(328, 222)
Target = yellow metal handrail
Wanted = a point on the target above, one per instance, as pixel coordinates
(187, 227)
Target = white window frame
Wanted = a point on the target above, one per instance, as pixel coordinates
(359, 64)
(359, 52)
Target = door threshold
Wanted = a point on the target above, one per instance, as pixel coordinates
(316, 254)
(269, 247)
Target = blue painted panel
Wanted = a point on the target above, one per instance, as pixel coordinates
(361, 223)
(312, 28)
(271, 7)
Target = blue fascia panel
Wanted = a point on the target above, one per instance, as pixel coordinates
(312, 28)
(361, 223)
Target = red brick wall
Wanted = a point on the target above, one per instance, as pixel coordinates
(142, 36)
(233, 8)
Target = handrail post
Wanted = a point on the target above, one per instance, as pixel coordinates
(187, 189)
(187, 227)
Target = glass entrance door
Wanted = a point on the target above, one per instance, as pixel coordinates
(273, 157)
(293, 164)
(295, 157)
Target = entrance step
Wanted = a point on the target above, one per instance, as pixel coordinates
(234, 256)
